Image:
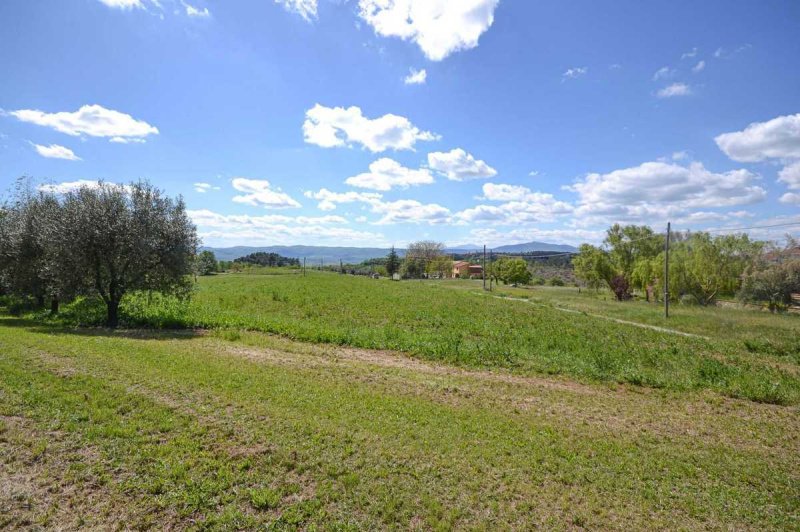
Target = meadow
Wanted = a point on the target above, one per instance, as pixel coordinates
(738, 353)
(332, 402)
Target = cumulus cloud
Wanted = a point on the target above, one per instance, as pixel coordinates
(438, 27)
(790, 175)
(458, 165)
(519, 205)
(123, 4)
(676, 89)
(493, 237)
(655, 190)
(691, 53)
(305, 8)
(72, 186)
(204, 187)
(699, 67)
(221, 229)
(416, 77)
(54, 151)
(791, 198)
(259, 192)
(778, 138)
(400, 211)
(663, 72)
(92, 120)
(328, 200)
(385, 174)
(336, 126)
(196, 12)
(575, 72)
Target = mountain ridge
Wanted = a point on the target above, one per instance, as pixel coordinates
(352, 254)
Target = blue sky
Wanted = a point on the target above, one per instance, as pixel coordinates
(373, 122)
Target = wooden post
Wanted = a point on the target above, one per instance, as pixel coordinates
(666, 272)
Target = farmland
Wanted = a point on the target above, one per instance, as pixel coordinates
(339, 402)
(454, 322)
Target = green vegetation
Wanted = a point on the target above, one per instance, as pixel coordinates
(467, 327)
(155, 430)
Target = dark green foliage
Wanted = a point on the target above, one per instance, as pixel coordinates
(392, 262)
(268, 259)
(206, 263)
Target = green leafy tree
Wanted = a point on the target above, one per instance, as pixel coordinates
(515, 271)
(115, 239)
(593, 266)
(392, 262)
(773, 285)
(206, 263)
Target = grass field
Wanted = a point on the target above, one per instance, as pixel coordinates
(477, 412)
(745, 354)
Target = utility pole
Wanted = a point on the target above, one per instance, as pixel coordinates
(484, 266)
(666, 273)
(490, 265)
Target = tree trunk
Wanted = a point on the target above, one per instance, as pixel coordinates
(40, 301)
(113, 314)
(54, 306)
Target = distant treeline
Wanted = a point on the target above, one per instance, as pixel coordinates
(268, 259)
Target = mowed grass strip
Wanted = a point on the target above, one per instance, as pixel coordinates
(434, 321)
(151, 430)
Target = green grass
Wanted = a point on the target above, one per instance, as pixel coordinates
(746, 354)
(154, 430)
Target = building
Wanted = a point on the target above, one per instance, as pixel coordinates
(464, 270)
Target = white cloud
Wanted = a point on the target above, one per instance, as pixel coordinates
(791, 198)
(123, 4)
(493, 238)
(411, 211)
(72, 186)
(676, 89)
(458, 165)
(124, 140)
(778, 138)
(92, 120)
(699, 67)
(416, 77)
(54, 151)
(573, 73)
(385, 174)
(305, 8)
(521, 205)
(663, 73)
(657, 190)
(336, 126)
(689, 54)
(533, 173)
(329, 200)
(790, 175)
(226, 230)
(204, 187)
(259, 192)
(400, 211)
(438, 27)
(680, 155)
(196, 12)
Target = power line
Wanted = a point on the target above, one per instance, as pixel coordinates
(745, 228)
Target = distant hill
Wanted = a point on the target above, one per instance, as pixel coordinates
(352, 255)
(528, 247)
(312, 254)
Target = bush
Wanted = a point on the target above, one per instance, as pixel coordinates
(556, 281)
(538, 281)
(621, 288)
(689, 299)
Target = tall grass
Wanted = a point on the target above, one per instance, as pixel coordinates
(431, 321)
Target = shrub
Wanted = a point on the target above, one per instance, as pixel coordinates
(621, 288)
(556, 281)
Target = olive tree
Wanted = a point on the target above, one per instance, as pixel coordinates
(117, 239)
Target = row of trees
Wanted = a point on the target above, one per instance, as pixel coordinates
(702, 267)
(105, 241)
(262, 258)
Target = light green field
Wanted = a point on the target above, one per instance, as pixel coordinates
(186, 430)
(744, 354)
(478, 412)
